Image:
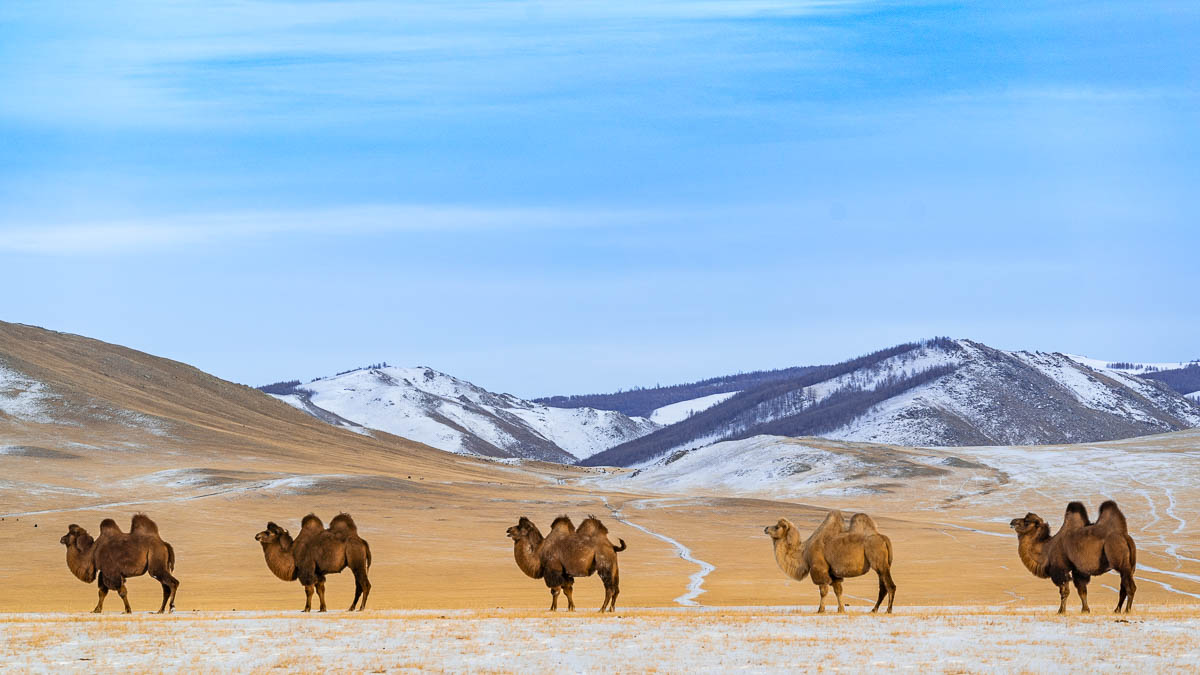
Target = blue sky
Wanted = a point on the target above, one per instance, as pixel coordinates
(566, 197)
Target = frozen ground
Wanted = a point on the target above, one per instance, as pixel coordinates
(693, 640)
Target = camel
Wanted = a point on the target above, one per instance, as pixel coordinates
(316, 552)
(567, 553)
(833, 553)
(116, 556)
(1079, 551)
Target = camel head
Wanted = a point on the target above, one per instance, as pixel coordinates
(1030, 524)
(274, 534)
(779, 530)
(76, 536)
(521, 530)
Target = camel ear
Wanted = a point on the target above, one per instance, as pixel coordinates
(790, 532)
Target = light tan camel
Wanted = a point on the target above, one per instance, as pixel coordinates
(833, 553)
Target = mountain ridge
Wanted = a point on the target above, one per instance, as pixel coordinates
(933, 393)
(457, 416)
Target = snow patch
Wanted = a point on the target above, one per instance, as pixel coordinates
(24, 398)
(677, 412)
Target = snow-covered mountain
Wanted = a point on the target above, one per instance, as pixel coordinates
(936, 393)
(445, 412)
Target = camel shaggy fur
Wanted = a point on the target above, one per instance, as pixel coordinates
(1079, 551)
(317, 552)
(567, 553)
(116, 556)
(833, 553)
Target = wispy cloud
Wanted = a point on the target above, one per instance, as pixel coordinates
(141, 235)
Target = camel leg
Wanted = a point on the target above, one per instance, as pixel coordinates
(321, 594)
(174, 590)
(569, 591)
(166, 596)
(365, 584)
(615, 590)
(170, 586)
(100, 602)
(357, 593)
(1081, 583)
(308, 591)
(824, 592)
(887, 578)
(837, 593)
(607, 580)
(1064, 591)
(1127, 586)
(554, 599)
(125, 598)
(883, 590)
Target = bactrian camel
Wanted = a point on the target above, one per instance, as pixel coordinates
(116, 556)
(567, 553)
(316, 552)
(1079, 551)
(833, 553)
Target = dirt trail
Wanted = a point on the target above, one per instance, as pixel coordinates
(695, 581)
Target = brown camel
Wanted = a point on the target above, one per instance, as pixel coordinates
(1079, 551)
(833, 553)
(316, 552)
(116, 556)
(568, 553)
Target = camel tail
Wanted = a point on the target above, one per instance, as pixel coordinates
(170, 557)
(620, 548)
(368, 549)
(1132, 551)
(888, 542)
(1111, 519)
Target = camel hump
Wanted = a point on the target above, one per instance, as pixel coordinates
(311, 523)
(1078, 509)
(834, 523)
(861, 523)
(141, 524)
(109, 526)
(342, 523)
(1111, 518)
(562, 522)
(592, 525)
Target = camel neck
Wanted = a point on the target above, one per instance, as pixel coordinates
(790, 558)
(81, 564)
(526, 553)
(281, 562)
(1029, 548)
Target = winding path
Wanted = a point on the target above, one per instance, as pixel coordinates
(695, 581)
